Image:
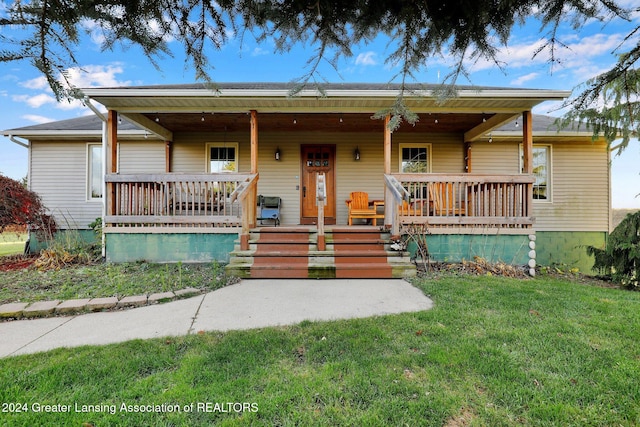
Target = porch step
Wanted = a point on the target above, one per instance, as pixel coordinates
(292, 252)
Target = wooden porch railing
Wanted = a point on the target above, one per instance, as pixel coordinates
(461, 200)
(175, 200)
(246, 192)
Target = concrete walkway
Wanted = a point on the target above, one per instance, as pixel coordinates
(245, 305)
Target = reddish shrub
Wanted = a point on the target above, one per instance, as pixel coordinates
(19, 207)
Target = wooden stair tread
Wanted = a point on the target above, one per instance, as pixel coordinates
(291, 252)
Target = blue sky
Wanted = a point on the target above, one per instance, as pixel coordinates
(26, 100)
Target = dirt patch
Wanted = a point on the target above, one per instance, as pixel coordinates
(16, 262)
(464, 418)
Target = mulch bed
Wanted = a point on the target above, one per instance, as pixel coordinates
(16, 262)
(480, 267)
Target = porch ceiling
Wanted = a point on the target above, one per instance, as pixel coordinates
(165, 110)
(311, 122)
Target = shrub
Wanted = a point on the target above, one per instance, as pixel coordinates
(620, 259)
(19, 206)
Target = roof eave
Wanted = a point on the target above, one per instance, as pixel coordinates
(58, 134)
(538, 94)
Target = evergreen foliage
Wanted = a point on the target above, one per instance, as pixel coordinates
(464, 31)
(621, 258)
(608, 104)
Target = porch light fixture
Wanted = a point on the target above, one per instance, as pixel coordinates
(202, 118)
(356, 154)
(157, 118)
(277, 154)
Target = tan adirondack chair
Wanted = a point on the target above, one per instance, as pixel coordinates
(358, 206)
(444, 201)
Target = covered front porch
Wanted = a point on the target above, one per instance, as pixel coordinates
(276, 145)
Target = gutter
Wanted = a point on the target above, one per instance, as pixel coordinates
(284, 93)
(20, 143)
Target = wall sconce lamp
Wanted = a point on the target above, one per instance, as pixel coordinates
(356, 154)
(277, 154)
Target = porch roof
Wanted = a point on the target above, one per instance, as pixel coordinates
(330, 97)
(91, 127)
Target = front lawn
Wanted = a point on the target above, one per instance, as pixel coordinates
(107, 280)
(12, 243)
(493, 352)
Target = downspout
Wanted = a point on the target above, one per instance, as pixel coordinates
(26, 145)
(101, 116)
(20, 143)
(93, 108)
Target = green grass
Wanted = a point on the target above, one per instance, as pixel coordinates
(105, 280)
(493, 352)
(12, 243)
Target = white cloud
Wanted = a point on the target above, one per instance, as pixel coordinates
(36, 84)
(96, 76)
(366, 58)
(81, 77)
(523, 79)
(37, 119)
(74, 104)
(580, 58)
(35, 101)
(258, 51)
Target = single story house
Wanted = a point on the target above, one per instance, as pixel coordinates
(178, 173)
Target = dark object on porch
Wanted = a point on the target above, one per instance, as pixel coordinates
(269, 209)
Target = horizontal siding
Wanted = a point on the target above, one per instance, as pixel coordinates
(282, 178)
(580, 174)
(188, 152)
(495, 158)
(58, 173)
(142, 157)
(446, 150)
(580, 185)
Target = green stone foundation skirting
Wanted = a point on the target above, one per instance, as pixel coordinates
(66, 237)
(510, 249)
(568, 248)
(180, 247)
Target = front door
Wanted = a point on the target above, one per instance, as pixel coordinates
(314, 159)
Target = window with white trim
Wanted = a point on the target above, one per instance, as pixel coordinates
(541, 171)
(222, 157)
(415, 158)
(94, 171)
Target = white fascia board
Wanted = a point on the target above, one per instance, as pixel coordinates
(239, 93)
(71, 134)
